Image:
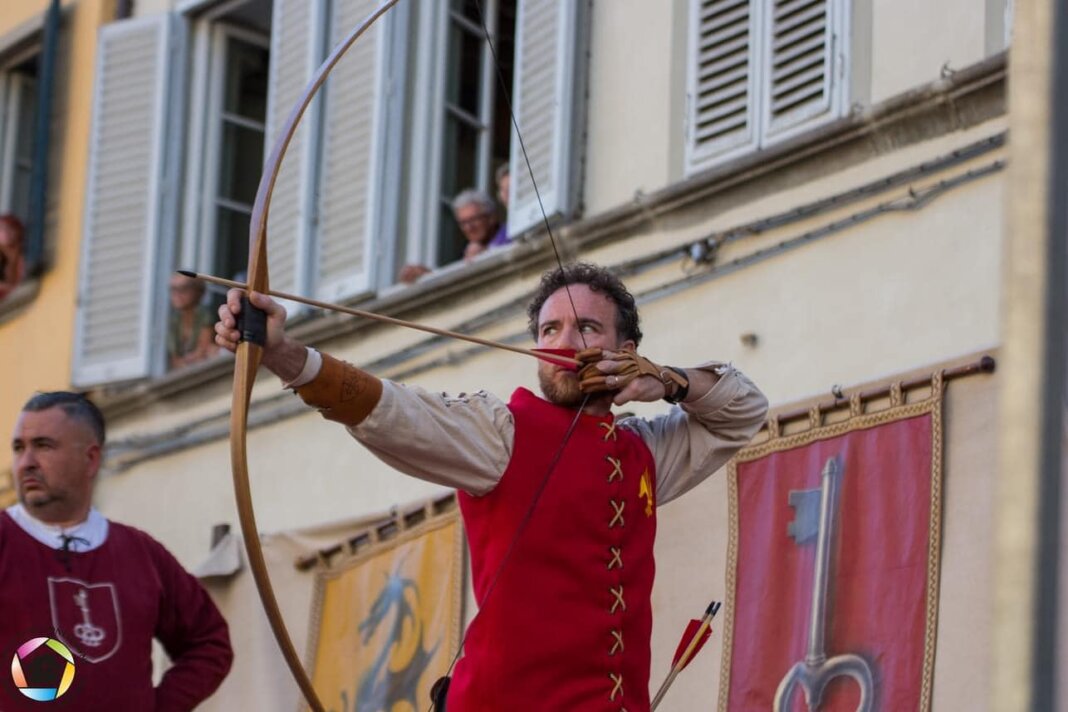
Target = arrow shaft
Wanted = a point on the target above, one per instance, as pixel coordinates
(386, 319)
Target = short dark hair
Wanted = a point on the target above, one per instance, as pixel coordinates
(598, 279)
(75, 405)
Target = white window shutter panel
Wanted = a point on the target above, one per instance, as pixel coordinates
(721, 92)
(351, 160)
(119, 291)
(800, 85)
(548, 77)
(295, 54)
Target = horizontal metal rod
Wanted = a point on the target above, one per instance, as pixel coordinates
(986, 364)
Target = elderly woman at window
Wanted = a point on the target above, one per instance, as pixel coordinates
(190, 334)
(12, 259)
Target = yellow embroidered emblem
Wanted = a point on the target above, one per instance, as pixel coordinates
(645, 489)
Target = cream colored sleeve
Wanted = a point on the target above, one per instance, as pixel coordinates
(697, 438)
(463, 441)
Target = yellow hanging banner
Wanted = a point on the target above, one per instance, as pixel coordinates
(388, 621)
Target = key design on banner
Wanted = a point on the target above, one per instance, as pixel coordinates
(815, 515)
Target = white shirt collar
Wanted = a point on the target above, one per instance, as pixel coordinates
(93, 530)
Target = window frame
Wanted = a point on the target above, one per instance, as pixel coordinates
(423, 243)
(12, 104)
(204, 143)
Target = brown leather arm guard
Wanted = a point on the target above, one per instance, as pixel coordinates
(342, 392)
(629, 365)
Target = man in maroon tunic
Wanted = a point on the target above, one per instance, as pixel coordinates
(563, 587)
(102, 589)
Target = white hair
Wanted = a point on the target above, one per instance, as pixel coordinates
(475, 197)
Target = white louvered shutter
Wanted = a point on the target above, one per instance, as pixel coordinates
(350, 168)
(722, 92)
(547, 75)
(295, 54)
(118, 291)
(799, 62)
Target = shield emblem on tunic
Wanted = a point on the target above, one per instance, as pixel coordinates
(86, 617)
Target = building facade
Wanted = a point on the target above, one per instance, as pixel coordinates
(810, 189)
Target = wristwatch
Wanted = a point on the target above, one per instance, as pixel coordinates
(681, 389)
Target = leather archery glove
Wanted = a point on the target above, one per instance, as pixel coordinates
(606, 370)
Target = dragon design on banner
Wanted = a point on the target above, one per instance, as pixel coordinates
(397, 669)
(386, 621)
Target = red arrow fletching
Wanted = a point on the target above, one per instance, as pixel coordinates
(566, 353)
(691, 630)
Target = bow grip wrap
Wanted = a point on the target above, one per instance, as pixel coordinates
(252, 323)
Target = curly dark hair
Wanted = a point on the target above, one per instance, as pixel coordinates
(75, 405)
(598, 279)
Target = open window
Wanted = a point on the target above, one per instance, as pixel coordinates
(475, 121)
(463, 129)
(19, 152)
(18, 121)
(225, 146)
(187, 105)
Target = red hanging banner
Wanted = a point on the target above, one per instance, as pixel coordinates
(833, 568)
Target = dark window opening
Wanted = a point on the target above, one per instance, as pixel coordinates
(242, 127)
(477, 121)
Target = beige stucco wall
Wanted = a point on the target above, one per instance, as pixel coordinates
(22, 14)
(636, 87)
(912, 40)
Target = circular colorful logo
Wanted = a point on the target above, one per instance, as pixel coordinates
(43, 669)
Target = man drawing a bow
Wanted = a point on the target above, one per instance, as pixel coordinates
(563, 587)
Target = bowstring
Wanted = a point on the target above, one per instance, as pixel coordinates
(543, 484)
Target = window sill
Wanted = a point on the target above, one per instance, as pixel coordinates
(16, 302)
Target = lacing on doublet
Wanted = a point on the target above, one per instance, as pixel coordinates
(617, 468)
(63, 553)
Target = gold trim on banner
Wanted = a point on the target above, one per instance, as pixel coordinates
(818, 429)
(383, 537)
